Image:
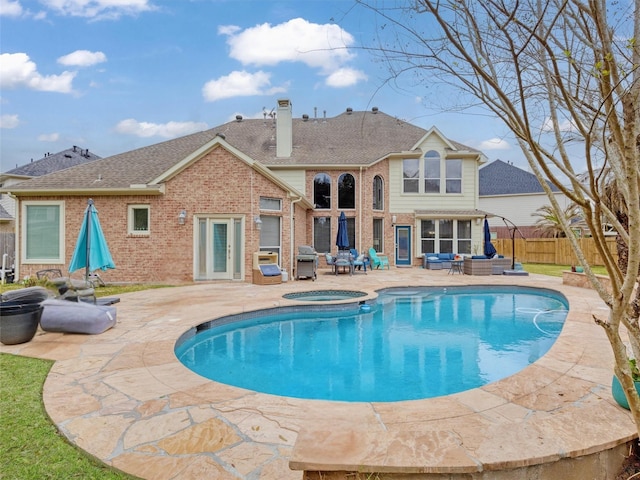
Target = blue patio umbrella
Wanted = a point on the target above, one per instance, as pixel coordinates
(342, 238)
(91, 252)
(489, 249)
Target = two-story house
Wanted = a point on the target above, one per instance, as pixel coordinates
(198, 207)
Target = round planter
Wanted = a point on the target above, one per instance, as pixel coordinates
(19, 324)
(618, 393)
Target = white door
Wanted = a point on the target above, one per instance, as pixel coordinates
(215, 258)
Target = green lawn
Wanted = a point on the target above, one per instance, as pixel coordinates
(30, 445)
(555, 270)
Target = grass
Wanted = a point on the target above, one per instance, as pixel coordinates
(556, 270)
(30, 445)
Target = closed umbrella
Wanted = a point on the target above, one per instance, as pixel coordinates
(91, 252)
(342, 238)
(489, 249)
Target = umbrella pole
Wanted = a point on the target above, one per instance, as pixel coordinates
(88, 252)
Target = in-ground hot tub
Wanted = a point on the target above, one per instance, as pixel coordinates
(324, 295)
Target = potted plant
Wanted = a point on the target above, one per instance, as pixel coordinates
(616, 387)
(20, 312)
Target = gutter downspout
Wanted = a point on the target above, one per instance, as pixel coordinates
(16, 249)
(360, 210)
(292, 233)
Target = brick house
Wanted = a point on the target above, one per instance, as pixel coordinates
(198, 207)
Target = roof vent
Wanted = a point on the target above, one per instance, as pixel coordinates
(67, 155)
(238, 118)
(305, 117)
(221, 135)
(349, 110)
(374, 109)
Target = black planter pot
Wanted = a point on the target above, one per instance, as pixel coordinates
(18, 324)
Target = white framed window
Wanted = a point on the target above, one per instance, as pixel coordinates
(43, 236)
(445, 236)
(453, 169)
(378, 193)
(272, 204)
(271, 235)
(138, 220)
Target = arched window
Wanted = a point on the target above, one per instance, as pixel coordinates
(322, 191)
(346, 191)
(378, 193)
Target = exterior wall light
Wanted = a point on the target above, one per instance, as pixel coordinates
(182, 217)
(393, 220)
(258, 222)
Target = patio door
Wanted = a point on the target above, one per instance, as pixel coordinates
(219, 246)
(403, 246)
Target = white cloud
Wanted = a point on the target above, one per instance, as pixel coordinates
(132, 126)
(17, 70)
(49, 137)
(82, 58)
(9, 121)
(318, 46)
(9, 8)
(99, 9)
(494, 144)
(564, 126)
(345, 77)
(239, 84)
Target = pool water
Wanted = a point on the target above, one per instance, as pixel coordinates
(411, 344)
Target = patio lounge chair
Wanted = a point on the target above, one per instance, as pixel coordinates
(72, 289)
(378, 261)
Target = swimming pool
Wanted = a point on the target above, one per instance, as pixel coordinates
(413, 343)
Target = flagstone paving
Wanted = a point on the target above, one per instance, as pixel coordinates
(123, 396)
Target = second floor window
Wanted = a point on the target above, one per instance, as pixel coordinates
(346, 191)
(454, 176)
(378, 193)
(322, 191)
(432, 172)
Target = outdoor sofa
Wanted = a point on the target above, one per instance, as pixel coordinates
(483, 265)
(438, 261)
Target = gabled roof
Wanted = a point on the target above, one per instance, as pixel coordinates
(350, 139)
(52, 163)
(501, 178)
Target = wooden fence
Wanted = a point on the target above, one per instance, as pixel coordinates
(556, 251)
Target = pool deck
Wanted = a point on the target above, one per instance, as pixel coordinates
(123, 396)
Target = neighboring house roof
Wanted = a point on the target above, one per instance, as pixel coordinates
(502, 178)
(52, 163)
(352, 138)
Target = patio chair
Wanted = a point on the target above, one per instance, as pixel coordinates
(360, 260)
(378, 261)
(68, 289)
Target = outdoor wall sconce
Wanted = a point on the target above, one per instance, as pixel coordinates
(393, 220)
(182, 217)
(478, 221)
(258, 222)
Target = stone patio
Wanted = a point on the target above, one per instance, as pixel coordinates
(123, 397)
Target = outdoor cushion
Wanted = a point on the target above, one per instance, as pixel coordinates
(76, 317)
(270, 270)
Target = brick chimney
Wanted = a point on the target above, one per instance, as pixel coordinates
(284, 135)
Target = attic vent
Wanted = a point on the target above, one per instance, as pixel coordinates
(221, 135)
(349, 110)
(305, 117)
(374, 109)
(238, 118)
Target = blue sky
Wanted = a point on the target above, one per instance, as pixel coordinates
(114, 75)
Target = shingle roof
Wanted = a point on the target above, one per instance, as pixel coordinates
(54, 162)
(352, 138)
(501, 178)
